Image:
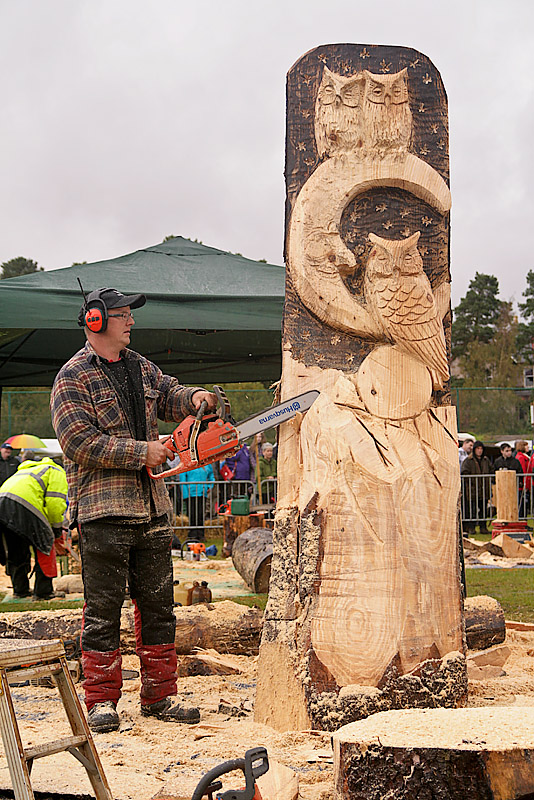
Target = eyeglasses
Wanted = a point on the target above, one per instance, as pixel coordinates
(126, 315)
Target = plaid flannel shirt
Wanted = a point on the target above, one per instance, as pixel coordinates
(102, 461)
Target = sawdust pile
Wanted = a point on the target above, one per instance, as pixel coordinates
(149, 758)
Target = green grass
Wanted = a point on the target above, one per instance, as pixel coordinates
(513, 588)
(252, 600)
(37, 605)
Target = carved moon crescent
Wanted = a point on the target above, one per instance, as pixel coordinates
(320, 205)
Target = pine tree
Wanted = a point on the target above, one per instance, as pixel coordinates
(525, 331)
(19, 266)
(477, 314)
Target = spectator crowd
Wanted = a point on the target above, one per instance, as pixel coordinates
(477, 471)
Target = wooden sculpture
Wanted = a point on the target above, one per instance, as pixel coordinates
(364, 610)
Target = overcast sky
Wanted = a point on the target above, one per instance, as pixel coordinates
(124, 121)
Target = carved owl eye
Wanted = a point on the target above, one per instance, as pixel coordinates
(327, 94)
(411, 262)
(398, 92)
(377, 91)
(350, 94)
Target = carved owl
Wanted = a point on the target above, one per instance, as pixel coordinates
(386, 112)
(338, 113)
(400, 298)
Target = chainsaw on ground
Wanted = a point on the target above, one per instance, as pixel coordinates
(205, 438)
(254, 765)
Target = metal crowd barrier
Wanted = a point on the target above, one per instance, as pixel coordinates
(195, 505)
(478, 504)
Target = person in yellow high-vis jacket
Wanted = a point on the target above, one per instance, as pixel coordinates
(33, 502)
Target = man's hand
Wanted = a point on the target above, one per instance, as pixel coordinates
(156, 454)
(210, 398)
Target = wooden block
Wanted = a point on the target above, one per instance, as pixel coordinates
(279, 783)
(207, 662)
(454, 754)
(485, 673)
(506, 495)
(519, 626)
(484, 622)
(509, 547)
(473, 544)
(493, 656)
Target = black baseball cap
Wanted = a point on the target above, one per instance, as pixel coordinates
(7, 445)
(115, 299)
(111, 298)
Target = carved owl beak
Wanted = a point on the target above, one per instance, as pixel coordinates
(387, 100)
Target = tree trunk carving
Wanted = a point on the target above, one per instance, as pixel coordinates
(364, 611)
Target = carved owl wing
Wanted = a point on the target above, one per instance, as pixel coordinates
(409, 316)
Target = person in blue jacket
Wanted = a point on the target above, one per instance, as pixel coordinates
(195, 486)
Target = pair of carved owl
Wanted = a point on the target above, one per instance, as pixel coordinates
(365, 114)
(368, 115)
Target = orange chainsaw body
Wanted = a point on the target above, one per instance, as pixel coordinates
(215, 439)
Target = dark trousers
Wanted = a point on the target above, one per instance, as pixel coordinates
(194, 507)
(18, 566)
(112, 555)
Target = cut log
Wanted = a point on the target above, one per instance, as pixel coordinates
(206, 662)
(506, 495)
(226, 627)
(70, 584)
(493, 656)
(453, 754)
(484, 622)
(279, 783)
(488, 672)
(233, 526)
(365, 585)
(510, 548)
(519, 626)
(252, 554)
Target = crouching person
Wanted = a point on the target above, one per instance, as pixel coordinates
(32, 504)
(105, 403)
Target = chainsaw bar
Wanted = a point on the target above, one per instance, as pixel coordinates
(275, 415)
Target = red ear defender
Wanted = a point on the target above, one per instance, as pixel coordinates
(96, 317)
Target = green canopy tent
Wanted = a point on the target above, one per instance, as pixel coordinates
(210, 316)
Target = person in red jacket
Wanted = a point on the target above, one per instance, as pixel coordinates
(522, 456)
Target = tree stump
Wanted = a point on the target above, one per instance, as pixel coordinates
(233, 526)
(365, 585)
(453, 754)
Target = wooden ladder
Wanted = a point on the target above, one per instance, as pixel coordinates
(28, 659)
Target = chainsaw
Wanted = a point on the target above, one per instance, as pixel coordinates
(254, 765)
(205, 438)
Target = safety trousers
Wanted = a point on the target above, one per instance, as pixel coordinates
(138, 555)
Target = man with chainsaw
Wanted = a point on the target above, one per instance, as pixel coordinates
(105, 403)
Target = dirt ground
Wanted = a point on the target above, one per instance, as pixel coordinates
(149, 758)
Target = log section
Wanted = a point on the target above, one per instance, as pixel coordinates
(506, 495)
(252, 555)
(485, 625)
(451, 754)
(226, 627)
(364, 608)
